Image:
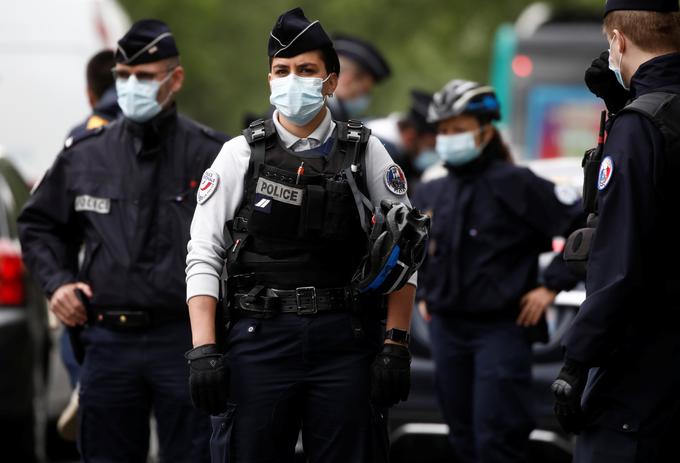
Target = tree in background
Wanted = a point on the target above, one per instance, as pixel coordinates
(427, 42)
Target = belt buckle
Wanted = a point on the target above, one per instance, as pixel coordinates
(302, 292)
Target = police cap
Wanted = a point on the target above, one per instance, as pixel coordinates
(364, 54)
(293, 34)
(660, 6)
(148, 40)
(417, 113)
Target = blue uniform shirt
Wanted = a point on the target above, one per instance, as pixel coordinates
(633, 254)
(490, 222)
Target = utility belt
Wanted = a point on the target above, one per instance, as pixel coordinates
(261, 302)
(134, 319)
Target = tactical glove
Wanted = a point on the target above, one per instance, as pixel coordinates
(391, 375)
(568, 389)
(602, 82)
(208, 379)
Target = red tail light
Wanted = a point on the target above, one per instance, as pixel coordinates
(12, 288)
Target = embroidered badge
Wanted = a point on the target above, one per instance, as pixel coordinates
(279, 192)
(263, 203)
(208, 185)
(88, 203)
(395, 180)
(566, 194)
(606, 172)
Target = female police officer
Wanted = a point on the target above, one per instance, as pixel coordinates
(298, 357)
(490, 221)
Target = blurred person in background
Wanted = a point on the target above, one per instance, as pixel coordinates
(363, 67)
(126, 192)
(618, 388)
(409, 138)
(480, 286)
(101, 95)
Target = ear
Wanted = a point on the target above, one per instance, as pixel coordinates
(621, 39)
(330, 85)
(177, 79)
(487, 133)
(91, 97)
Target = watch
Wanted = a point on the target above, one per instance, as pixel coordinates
(397, 335)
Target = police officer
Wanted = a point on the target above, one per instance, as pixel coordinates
(302, 352)
(363, 67)
(620, 381)
(479, 286)
(126, 192)
(101, 93)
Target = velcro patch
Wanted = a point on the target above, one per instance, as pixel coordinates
(279, 192)
(208, 185)
(263, 204)
(395, 180)
(91, 204)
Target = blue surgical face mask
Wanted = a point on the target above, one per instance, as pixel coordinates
(299, 99)
(616, 69)
(356, 106)
(458, 149)
(137, 99)
(426, 159)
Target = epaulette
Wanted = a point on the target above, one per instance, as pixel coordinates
(213, 134)
(83, 135)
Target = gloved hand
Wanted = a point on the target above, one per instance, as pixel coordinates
(568, 389)
(391, 375)
(208, 379)
(602, 82)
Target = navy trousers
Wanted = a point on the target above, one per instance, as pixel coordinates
(126, 376)
(308, 373)
(483, 381)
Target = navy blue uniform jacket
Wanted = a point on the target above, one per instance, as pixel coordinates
(634, 254)
(490, 222)
(126, 191)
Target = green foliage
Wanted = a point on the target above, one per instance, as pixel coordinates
(223, 44)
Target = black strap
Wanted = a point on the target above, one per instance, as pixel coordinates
(308, 300)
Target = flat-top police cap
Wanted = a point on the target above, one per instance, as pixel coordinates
(148, 40)
(660, 6)
(364, 54)
(417, 114)
(294, 34)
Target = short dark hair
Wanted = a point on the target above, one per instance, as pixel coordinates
(328, 56)
(98, 72)
(652, 31)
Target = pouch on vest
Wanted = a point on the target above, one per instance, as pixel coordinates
(276, 205)
(577, 250)
(340, 214)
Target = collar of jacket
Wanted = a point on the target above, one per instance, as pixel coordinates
(662, 72)
(150, 135)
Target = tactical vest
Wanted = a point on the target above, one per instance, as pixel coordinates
(663, 110)
(298, 224)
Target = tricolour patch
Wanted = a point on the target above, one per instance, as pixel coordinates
(86, 203)
(606, 172)
(208, 185)
(395, 180)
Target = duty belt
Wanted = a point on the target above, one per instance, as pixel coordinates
(305, 300)
(126, 319)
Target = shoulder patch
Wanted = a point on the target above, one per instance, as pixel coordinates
(566, 194)
(395, 180)
(208, 185)
(84, 135)
(606, 172)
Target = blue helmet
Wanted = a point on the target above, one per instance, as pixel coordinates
(464, 97)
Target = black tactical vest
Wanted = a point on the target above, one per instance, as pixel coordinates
(298, 224)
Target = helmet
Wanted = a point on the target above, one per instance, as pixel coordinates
(396, 248)
(464, 97)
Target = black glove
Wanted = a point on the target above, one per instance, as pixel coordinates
(568, 389)
(208, 379)
(391, 375)
(602, 82)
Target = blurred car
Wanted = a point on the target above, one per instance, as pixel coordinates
(23, 331)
